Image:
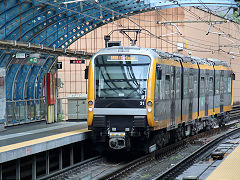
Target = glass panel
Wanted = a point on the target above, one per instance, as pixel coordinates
(195, 85)
(178, 95)
(167, 87)
(202, 86)
(186, 89)
(210, 86)
(217, 83)
(121, 76)
(229, 84)
(225, 85)
(157, 88)
(221, 85)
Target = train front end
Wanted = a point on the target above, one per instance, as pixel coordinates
(117, 95)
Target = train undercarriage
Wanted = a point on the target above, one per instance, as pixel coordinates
(146, 140)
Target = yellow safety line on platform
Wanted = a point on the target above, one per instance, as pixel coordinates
(40, 140)
(229, 169)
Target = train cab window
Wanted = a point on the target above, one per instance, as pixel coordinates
(121, 76)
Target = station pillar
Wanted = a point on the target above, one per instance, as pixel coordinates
(50, 94)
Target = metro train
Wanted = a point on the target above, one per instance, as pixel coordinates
(147, 98)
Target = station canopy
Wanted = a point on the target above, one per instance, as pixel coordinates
(51, 24)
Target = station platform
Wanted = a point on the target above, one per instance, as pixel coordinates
(21, 141)
(229, 168)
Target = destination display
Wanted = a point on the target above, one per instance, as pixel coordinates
(122, 58)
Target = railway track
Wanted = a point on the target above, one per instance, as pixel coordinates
(60, 174)
(235, 113)
(188, 161)
(121, 170)
(92, 168)
(166, 151)
(129, 168)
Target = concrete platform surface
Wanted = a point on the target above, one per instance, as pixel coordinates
(24, 140)
(229, 168)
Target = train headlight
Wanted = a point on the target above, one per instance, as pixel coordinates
(149, 103)
(90, 109)
(90, 103)
(149, 110)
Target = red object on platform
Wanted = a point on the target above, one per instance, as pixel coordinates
(50, 83)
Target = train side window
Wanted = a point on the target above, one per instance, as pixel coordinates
(221, 84)
(217, 83)
(186, 89)
(229, 84)
(210, 85)
(191, 82)
(195, 88)
(178, 95)
(202, 86)
(157, 89)
(225, 84)
(167, 77)
(167, 87)
(162, 86)
(159, 72)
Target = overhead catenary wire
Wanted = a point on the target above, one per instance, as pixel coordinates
(159, 36)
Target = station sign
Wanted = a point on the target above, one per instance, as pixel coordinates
(82, 61)
(33, 60)
(59, 65)
(20, 55)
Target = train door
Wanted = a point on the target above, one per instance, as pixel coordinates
(172, 94)
(207, 93)
(221, 90)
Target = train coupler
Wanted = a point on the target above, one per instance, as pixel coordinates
(117, 140)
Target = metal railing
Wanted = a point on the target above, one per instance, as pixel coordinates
(32, 110)
(25, 111)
